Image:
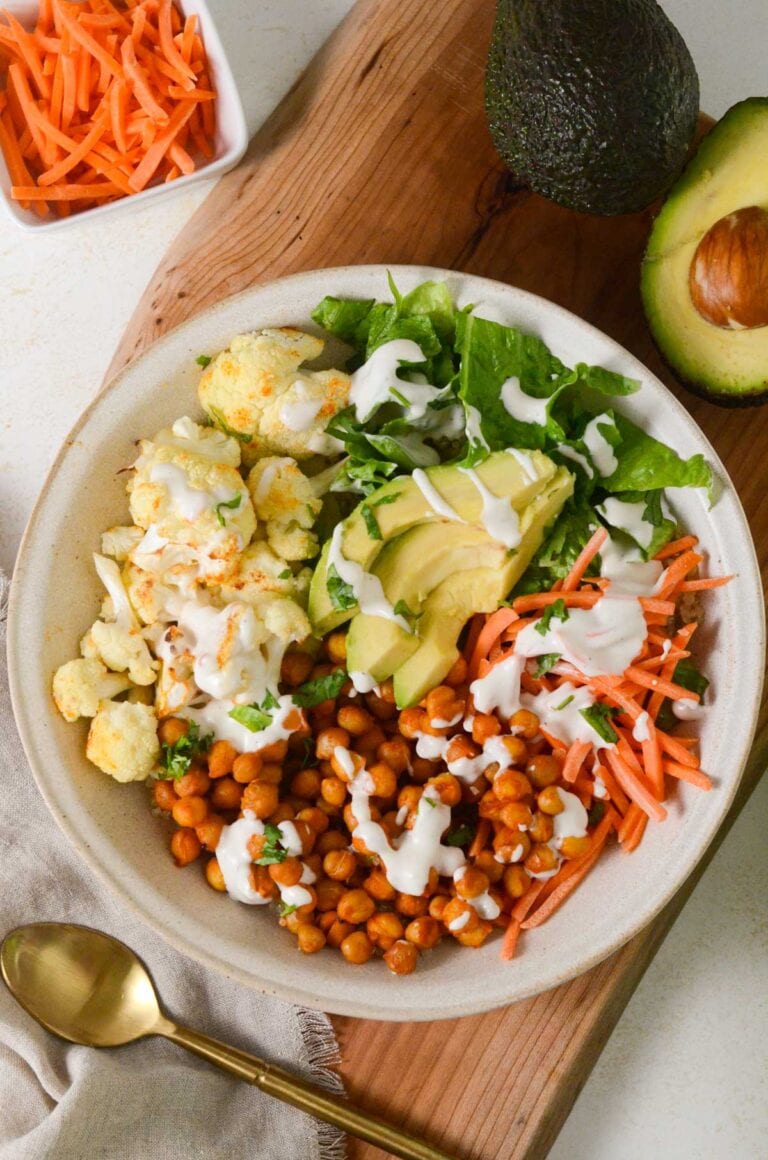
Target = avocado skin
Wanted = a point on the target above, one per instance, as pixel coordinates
(593, 103)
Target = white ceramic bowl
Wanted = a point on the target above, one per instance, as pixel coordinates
(231, 130)
(55, 597)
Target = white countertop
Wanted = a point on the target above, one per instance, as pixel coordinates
(683, 1076)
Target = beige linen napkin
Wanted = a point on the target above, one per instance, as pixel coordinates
(151, 1100)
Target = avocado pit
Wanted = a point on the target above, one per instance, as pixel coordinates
(728, 277)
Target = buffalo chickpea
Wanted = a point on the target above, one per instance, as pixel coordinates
(384, 780)
(331, 840)
(260, 798)
(485, 725)
(437, 905)
(411, 722)
(381, 709)
(460, 747)
(394, 751)
(185, 846)
(541, 828)
(378, 886)
(328, 893)
(387, 691)
(383, 929)
(575, 847)
(516, 748)
(423, 932)
(195, 782)
(189, 811)
(492, 869)
(409, 798)
(544, 769)
(525, 723)
(447, 787)
(345, 764)
(336, 647)
(355, 906)
(516, 814)
(314, 818)
(489, 805)
(283, 813)
(164, 795)
(357, 948)
(221, 758)
(354, 719)
(209, 831)
(286, 873)
(226, 794)
(336, 934)
(261, 881)
(516, 881)
(402, 957)
(421, 769)
(516, 850)
(476, 936)
(541, 859)
(271, 773)
(296, 668)
(457, 674)
(367, 743)
(325, 920)
(459, 916)
(512, 786)
(310, 938)
(472, 883)
(315, 863)
(247, 767)
(171, 730)
(333, 790)
(306, 783)
(339, 865)
(549, 801)
(305, 834)
(411, 905)
(214, 876)
(278, 749)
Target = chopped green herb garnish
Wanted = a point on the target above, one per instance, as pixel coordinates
(430, 801)
(371, 523)
(220, 422)
(272, 851)
(270, 701)
(461, 836)
(313, 693)
(203, 360)
(286, 910)
(564, 704)
(384, 499)
(341, 594)
(545, 663)
(176, 759)
(598, 716)
(400, 397)
(556, 611)
(687, 675)
(231, 504)
(286, 574)
(402, 609)
(595, 814)
(255, 717)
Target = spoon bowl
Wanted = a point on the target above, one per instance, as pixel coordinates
(81, 984)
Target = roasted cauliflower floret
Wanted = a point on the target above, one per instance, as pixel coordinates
(120, 542)
(122, 740)
(175, 686)
(79, 686)
(284, 499)
(188, 498)
(255, 389)
(118, 642)
(286, 620)
(260, 576)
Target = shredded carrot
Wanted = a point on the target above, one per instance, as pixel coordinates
(574, 759)
(577, 875)
(675, 547)
(677, 571)
(99, 90)
(635, 836)
(584, 559)
(489, 633)
(685, 773)
(633, 787)
(536, 600)
(660, 685)
(704, 585)
(509, 943)
(480, 838)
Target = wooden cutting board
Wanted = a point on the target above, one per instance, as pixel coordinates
(380, 153)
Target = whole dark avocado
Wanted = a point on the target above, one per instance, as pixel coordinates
(593, 103)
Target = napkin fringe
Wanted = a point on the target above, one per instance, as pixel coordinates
(323, 1056)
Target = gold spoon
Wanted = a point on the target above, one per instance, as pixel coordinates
(91, 989)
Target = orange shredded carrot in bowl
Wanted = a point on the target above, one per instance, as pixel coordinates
(102, 90)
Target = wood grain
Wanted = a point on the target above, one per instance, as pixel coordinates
(380, 153)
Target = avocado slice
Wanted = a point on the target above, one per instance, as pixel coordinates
(400, 505)
(591, 105)
(458, 597)
(729, 172)
(409, 568)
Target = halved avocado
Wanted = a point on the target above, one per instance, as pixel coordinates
(400, 505)
(409, 568)
(729, 172)
(452, 603)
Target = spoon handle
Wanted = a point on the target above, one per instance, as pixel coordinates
(306, 1096)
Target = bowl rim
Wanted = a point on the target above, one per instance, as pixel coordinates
(749, 573)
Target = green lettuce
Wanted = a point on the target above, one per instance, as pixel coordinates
(645, 464)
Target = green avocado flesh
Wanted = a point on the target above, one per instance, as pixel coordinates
(400, 505)
(729, 171)
(410, 567)
(592, 104)
(458, 597)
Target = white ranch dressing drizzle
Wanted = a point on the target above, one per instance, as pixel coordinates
(565, 721)
(498, 517)
(289, 839)
(440, 506)
(235, 861)
(474, 428)
(371, 385)
(345, 759)
(687, 709)
(629, 518)
(366, 587)
(300, 413)
(525, 461)
(363, 682)
(525, 408)
(600, 640)
(598, 446)
(485, 905)
(409, 860)
(187, 501)
(640, 730)
(500, 687)
(571, 822)
(458, 923)
(228, 661)
(467, 769)
(267, 478)
(571, 453)
(215, 717)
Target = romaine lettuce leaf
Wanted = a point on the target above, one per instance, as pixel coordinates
(664, 526)
(561, 546)
(342, 316)
(645, 464)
